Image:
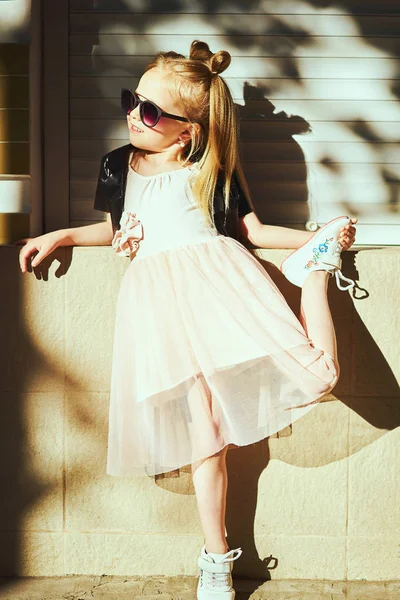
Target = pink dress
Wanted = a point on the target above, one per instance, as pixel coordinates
(207, 352)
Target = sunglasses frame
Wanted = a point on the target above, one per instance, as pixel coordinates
(141, 103)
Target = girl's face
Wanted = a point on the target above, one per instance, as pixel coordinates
(168, 133)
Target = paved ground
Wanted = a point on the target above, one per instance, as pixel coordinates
(184, 588)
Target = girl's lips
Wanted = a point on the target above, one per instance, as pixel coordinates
(135, 129)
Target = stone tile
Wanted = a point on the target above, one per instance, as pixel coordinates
(373, 590)
(303, 557)
(370, 417)
(292, 588)
(374, 489)
(377, 358)
(131, 554)
(294, 501)
(183, 587)
(262, 493)
(135, 504)
(295, 557)
(29, 554)
(31, 461)
(91, 299)
(32, 324)
(318, 438)
(374, 558)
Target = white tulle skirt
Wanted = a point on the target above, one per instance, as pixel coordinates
(207, 353)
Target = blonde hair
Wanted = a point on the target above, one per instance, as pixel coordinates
(208, 102)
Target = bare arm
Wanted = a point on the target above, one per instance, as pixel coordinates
(274, 236)
(99, 234)
(271, 236)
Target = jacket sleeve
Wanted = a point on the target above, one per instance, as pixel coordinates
(241, 201)
(101, 200)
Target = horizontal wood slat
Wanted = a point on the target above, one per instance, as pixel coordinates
(296, 212)
(274, 89)
(310, 110)
(282, 192)
(235, 6)
(317, 89)
(293, 215)
(238, 45)
(287, 192)
(369, 232)
(357, 152)
(368, 223)
(379, 217)
(228, 23)
(349, 131)
(99, 65)
(86, 170)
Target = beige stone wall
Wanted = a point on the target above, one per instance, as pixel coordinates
(320, 500)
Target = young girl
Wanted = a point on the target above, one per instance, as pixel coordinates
(207, 353)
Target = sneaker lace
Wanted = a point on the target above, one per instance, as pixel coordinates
(220, 580)
(339, 276)
(338, 273)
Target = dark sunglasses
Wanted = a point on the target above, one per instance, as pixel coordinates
(149, 112)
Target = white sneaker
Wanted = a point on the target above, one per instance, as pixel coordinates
(215, 581)
(320, 253)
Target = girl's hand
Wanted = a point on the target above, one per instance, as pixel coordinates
(43, 244)
(347, 235)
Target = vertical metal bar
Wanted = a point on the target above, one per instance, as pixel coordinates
(55, 114)
(35, 112)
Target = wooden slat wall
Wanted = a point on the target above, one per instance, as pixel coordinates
(14, 109)
(317, 88)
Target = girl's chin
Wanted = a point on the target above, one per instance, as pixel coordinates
(137, 143)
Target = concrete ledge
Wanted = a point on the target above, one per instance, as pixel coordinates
(175, 588)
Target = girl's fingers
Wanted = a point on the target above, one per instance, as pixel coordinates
(24, 254)
(38, 258)
(347, 234)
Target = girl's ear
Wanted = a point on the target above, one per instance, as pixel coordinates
(189, 132)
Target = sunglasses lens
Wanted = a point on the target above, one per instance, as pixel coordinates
(127, 101)
(150, 114)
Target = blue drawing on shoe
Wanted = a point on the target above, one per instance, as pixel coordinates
(322, 248)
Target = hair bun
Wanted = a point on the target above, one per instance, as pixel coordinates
(220, 61)
(217, 63)
(200, 51)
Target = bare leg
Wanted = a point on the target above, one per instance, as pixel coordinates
(210, 480)
(315, 314)
(209, 474)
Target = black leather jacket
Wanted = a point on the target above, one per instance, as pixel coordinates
(111, 185)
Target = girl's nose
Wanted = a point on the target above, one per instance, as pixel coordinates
(134, 114)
